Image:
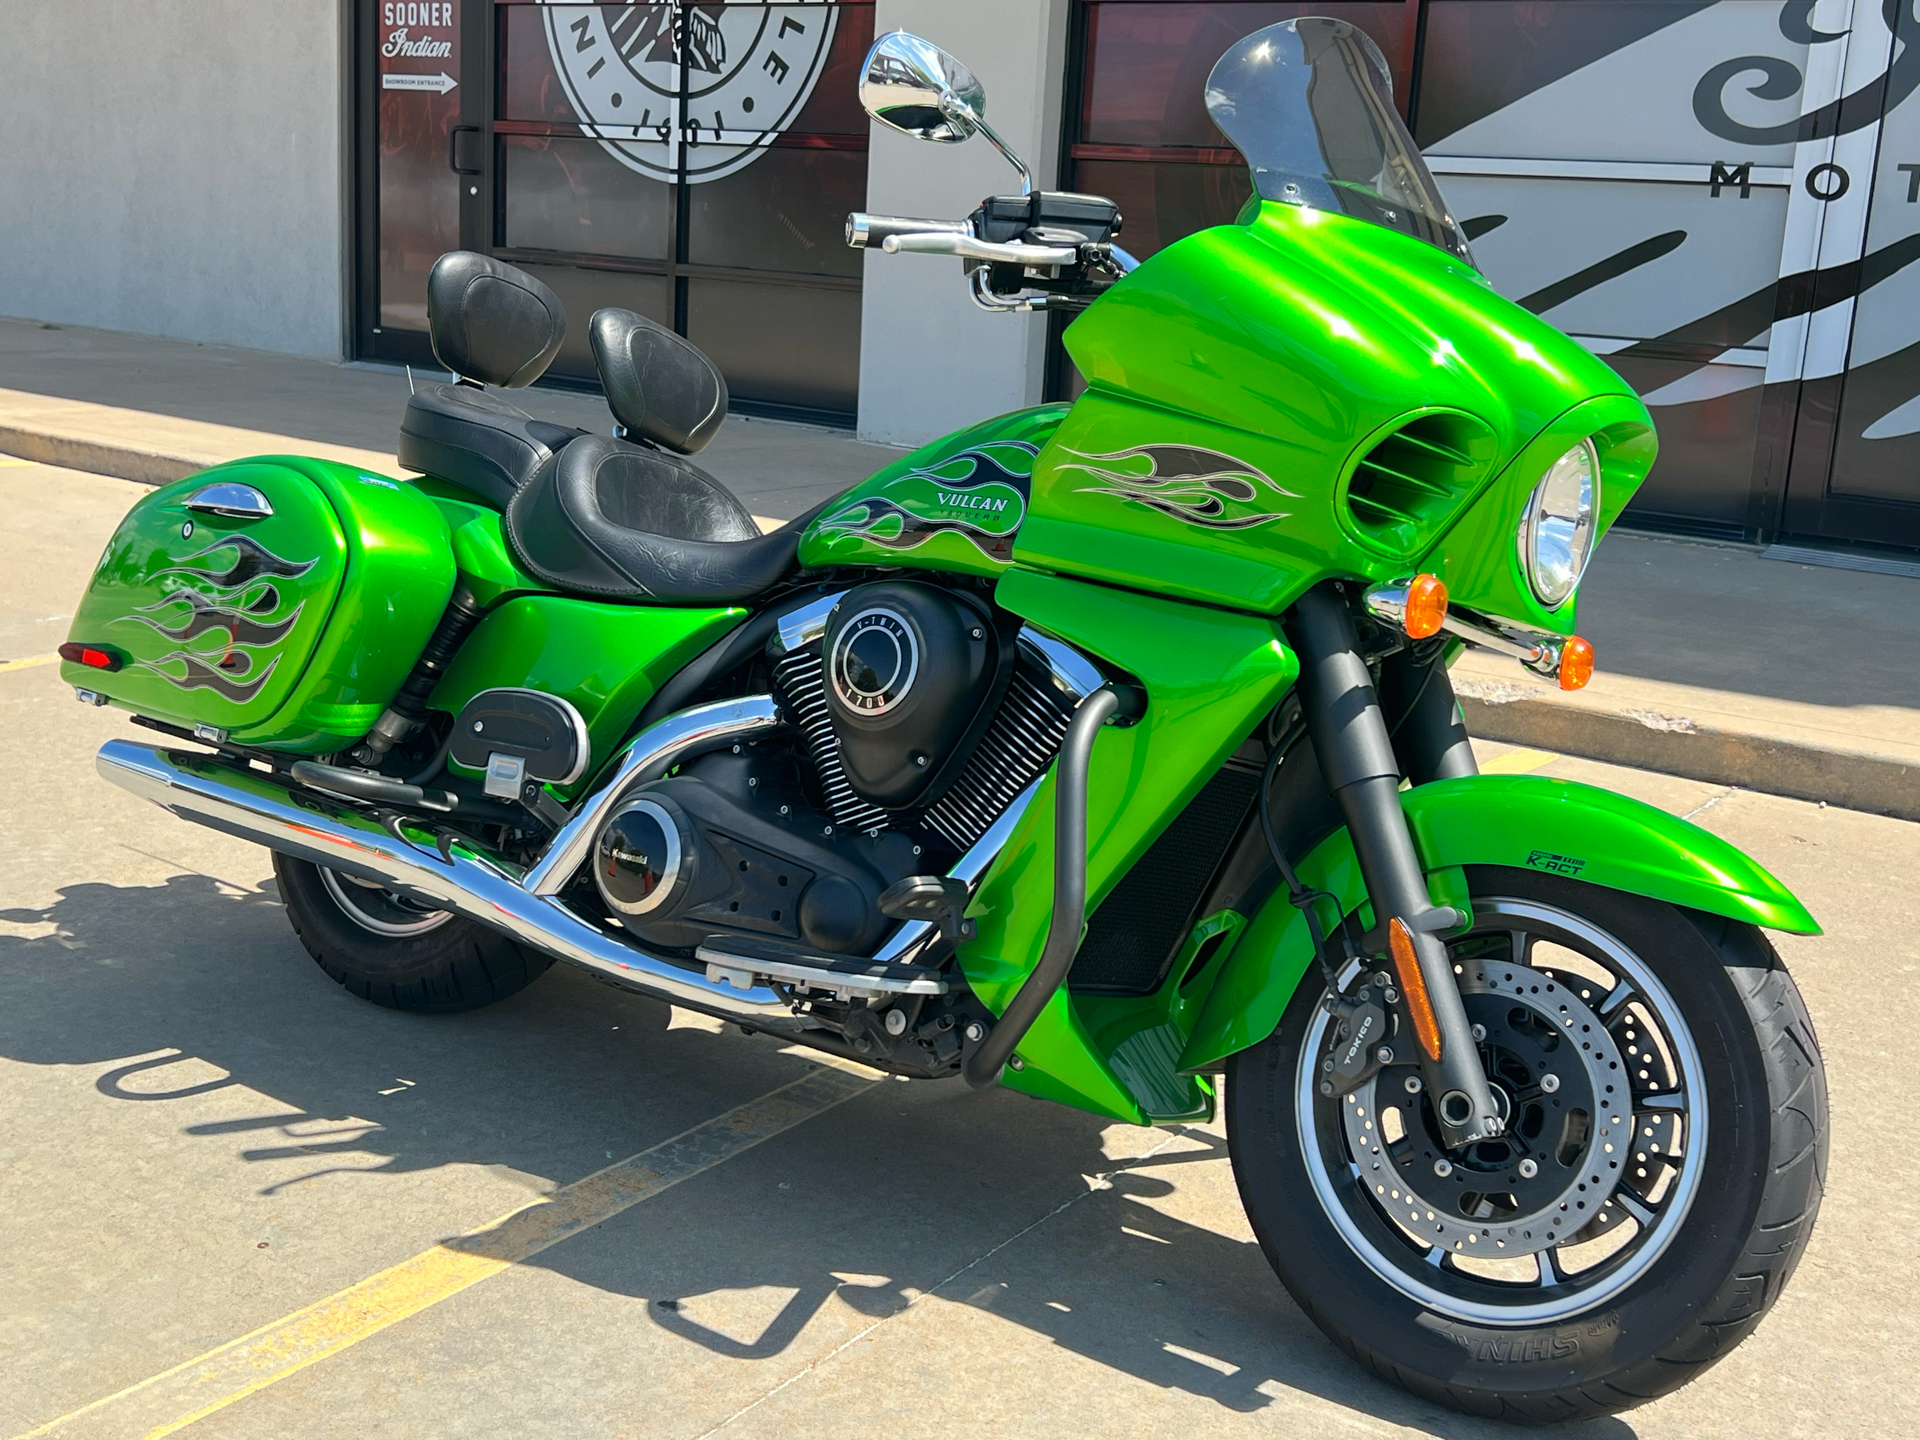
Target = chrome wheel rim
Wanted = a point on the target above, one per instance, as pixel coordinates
(1647, 1182)
(380, 911)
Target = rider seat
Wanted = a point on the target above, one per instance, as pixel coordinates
(614, 518)
(604, 517)
(491, 324)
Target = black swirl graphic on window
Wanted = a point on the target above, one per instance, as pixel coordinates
(1780, 79)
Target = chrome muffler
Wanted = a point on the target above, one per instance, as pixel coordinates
(444, 869)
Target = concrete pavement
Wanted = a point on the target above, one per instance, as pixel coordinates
(153, 410)
(1715, 664)
(200, 1135)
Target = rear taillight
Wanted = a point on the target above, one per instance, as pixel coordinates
(92, 656)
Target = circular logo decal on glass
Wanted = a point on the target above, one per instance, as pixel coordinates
(874, 661)
(749, 69)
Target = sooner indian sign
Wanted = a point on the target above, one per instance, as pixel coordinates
(747, 71)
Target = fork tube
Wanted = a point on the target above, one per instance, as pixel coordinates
(1423, 715)
(1357, 760)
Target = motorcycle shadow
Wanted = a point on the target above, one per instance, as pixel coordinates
(927, 1216)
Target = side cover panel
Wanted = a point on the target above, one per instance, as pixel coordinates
(1209, 675)
(290, 630)
(606, 659)
(953, 505)
(1514, 820)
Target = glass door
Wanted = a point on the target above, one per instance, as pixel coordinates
(422, 182)
(1855, 472)
(691, 162)
(696, 164)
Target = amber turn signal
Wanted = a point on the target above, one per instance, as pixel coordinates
(1413, 985)
(1426, 606)
(1576, 663)
(89, 655)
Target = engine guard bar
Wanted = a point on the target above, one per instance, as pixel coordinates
(1069, 885)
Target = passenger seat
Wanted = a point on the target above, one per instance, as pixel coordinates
(491, 324)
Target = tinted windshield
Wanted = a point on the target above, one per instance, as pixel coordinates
(1310, 104)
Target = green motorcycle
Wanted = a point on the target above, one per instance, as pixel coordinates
(1099, 750)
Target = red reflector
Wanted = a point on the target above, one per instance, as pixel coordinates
(89, 656)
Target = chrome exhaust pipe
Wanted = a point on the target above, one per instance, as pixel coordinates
(447, 871)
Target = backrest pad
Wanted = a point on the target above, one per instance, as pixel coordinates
(658, 385)
(491, 321)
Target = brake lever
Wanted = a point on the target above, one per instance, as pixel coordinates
(967, 247)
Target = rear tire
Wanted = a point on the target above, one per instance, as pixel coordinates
(1342, 1212)
(388, 950)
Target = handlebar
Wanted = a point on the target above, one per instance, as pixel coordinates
(904, 234)
(864, 231)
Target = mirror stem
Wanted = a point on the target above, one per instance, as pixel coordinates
(953, 106)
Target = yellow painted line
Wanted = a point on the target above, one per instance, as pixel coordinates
(176, 1398)
(1518, 762)
(28, 663)
(6, 460)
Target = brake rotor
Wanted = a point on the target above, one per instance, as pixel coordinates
(1570, 1121)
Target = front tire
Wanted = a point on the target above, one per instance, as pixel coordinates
(1603, 1254)
(386, 949)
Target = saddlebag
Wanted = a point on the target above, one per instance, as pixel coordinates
(281, 600)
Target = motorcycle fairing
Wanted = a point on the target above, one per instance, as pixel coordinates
(1293, 344)
(1522, 821)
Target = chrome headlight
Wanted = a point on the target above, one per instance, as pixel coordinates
(1556, 535)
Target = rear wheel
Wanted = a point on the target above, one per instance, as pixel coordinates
(1663, 1165)
(397, 953)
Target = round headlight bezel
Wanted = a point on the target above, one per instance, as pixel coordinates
(1558, 530)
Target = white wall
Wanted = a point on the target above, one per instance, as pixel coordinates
(174, 167)
(930, 361)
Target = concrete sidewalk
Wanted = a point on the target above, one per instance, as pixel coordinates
(153, 410)
(1714, 664)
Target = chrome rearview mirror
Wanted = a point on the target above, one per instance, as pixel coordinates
(913, 86)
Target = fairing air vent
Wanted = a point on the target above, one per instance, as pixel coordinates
(1406, 488)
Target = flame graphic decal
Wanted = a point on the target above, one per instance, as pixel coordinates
(1201, 487)
(254, 561)
(204, 615)
(199, 675)
(230, 603)
(975, 494)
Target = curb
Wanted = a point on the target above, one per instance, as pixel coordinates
(1774, 765)
(70, 452)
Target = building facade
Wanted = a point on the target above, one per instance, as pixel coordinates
(1721, 197)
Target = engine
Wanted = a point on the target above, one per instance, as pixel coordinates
(1014, 720)
(920, 716)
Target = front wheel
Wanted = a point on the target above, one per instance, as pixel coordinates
(1663, 1163)
(387, 949)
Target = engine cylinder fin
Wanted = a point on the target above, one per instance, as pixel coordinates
(801, 679)
(1019, 744)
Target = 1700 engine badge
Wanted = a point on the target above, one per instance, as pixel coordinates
(875, 659)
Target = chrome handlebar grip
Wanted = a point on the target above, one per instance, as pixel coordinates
(866, 231)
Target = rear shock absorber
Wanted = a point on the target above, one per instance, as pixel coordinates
(408, 709)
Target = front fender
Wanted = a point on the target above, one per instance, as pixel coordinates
(1524, 821)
